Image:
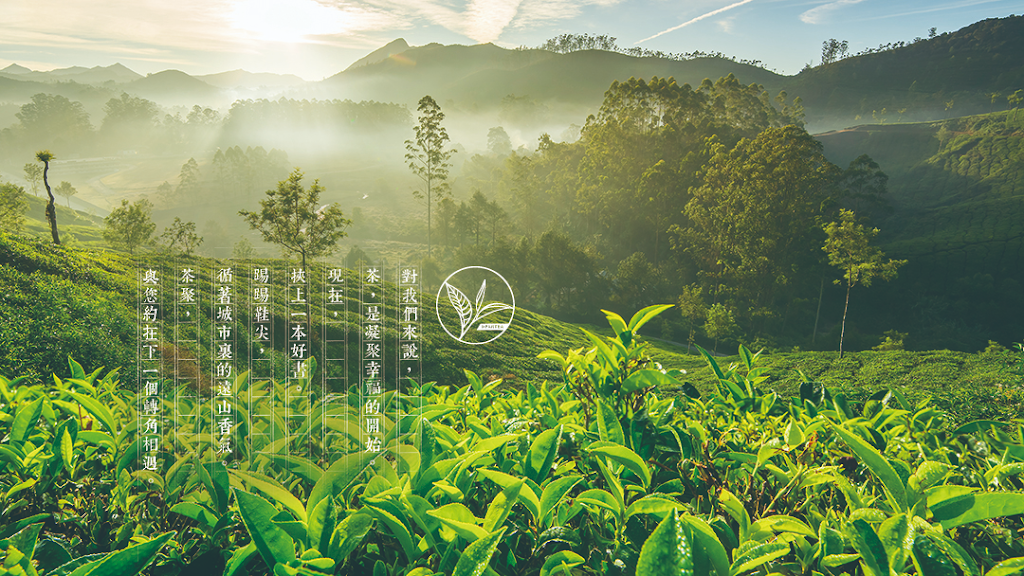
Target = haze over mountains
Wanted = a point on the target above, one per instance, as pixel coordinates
(953, 74)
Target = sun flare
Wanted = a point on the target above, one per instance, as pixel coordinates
(287, 21)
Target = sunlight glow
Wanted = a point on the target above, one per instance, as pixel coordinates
(288, 20)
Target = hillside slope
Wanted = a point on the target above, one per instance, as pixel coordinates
(952, 74)
(957, 190)
(57, 302)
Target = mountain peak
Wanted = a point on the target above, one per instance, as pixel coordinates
(390, 49)
(15, 69)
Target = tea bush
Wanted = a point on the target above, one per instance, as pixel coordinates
(598, 473)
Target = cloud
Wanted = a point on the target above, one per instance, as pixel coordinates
(819, 14)
(697, 19)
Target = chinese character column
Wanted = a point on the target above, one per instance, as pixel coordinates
(186, 360)
(335, 339)
(223, 422)
(296, 386)
(371, 292)
(261, 367)
(151, 408)
(409, 341)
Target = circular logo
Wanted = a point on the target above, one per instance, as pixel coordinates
(484, 318)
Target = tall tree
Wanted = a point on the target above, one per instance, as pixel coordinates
(129, 225)
(848, 248)
(427, 156)
(45, 156)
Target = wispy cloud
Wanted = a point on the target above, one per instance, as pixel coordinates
(819, 14)
(952, 6)
(697, 19)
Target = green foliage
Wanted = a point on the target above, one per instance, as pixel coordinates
(12, 207)
(182, 236)
(599, 474)
(129, 226)
(289, 218)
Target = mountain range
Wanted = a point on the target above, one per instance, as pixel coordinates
(952, 74)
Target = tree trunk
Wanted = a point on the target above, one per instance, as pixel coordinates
(51, 210)
(428, 218)
(817, 315)
(842, 332)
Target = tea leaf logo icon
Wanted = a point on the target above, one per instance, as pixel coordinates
(471, 312)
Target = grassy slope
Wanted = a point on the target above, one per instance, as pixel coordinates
(60, 301)
(957, 189)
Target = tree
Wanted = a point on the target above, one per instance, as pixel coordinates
(863, 186)
(243, 249)
(12, 206)
(719, 323)
(128, 120)
(427, 157)
(752, 222)
(848, 248)
(52, 120)
(188, 181)
(833, 50)
(182, 235)
(66, 190)
(289, 217)
(498, 141)
(34, 175)
(130, 225)
(45, 156)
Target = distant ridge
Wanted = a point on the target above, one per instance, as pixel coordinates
(116, 73)
(391, 48)
(244, 79)
(173, 84)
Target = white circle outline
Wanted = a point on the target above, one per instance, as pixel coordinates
(437, 308)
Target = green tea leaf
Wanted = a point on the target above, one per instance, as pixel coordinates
(272, 541)
(339, 477)
(554, 492)
(969, 508)
(477, 556)
(500, 507)
(130, 561)
(348, 535)
(624, 456)
(874, 559)
(1011, 567)
(668, 551)
(758, 555)
(564, 560)
(895, 490)
(25, 419)
(645, 315)
(704, 535)
(929, 559)
(542, 454)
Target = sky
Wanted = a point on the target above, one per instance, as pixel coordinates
(315, 39)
